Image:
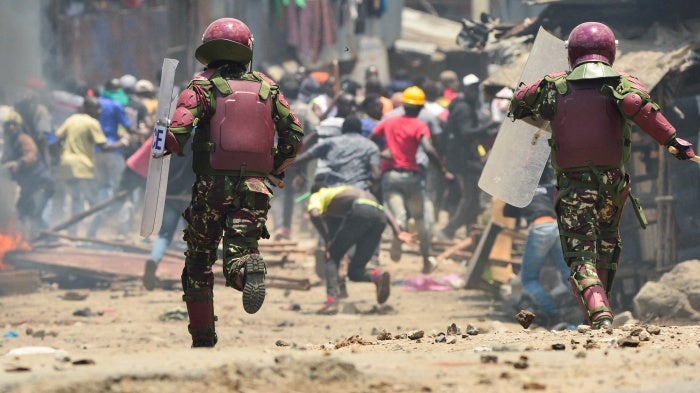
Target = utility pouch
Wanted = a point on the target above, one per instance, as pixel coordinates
(639, 212)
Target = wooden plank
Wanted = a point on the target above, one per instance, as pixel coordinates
(477, 264)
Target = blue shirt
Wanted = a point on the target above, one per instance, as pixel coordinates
(113, 115)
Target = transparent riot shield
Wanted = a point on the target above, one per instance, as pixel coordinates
(520, 151)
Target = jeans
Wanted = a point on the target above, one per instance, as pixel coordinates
(542, 243)
(171, 217)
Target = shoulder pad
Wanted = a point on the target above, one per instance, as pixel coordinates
(204, 75)
(264, 77)
(634, 83)
(555, 75)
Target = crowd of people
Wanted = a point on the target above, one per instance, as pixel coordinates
(67, 149)
(362, 155)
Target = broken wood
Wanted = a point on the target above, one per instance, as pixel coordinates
(82, 215)
(462, 244)
(124, 246)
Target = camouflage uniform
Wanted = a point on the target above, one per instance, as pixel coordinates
(229, 205)
(590, 109)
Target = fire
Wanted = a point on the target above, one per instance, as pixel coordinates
(10, 242)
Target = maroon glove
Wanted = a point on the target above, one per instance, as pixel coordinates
(171, 144)
(682, 149)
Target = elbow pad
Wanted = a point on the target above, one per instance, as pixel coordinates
(523, 102)
(654, 123)
(184, 111)
(287, 149)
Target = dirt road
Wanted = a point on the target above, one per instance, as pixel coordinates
(125, 339)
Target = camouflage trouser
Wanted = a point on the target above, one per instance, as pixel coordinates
(228, 207)
(589, 207)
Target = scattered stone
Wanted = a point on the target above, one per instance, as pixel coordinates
(86, 312)
(282, 343)
(558, 347)
(583, 328)
(521, 364)
(453, 330)
(653, 329)
(534, 386)
(453, 340)
(440, 338)
(580, 354)
(591, 344)
(83, 362)
(629, 341)
(384, 335)
(524, 318)
(472, 331)
(285, 323)
(13, 368)
(74, 296)
(644, 336)
(417, 334)
(482, 349)
(489, 359)
(636, 331)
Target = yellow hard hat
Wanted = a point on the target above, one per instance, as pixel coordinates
(13, 116)
(413, 95)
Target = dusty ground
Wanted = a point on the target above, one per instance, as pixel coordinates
(123, 345)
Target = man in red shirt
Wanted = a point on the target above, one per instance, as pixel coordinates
(403, 185)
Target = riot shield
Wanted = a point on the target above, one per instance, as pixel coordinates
(520, 151)
(159, 163)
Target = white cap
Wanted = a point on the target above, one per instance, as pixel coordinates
(470, 80)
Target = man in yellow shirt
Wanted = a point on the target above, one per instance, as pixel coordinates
(347, 216)
(79, 135)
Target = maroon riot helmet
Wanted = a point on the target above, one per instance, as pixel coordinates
(591, 41)
(226, 39)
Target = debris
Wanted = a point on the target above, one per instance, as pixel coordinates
(534, 386)
(558, 347)
(384, 335)
(83, 362)
(453, 330)
(282, 343)
(629, 341)
(521, 364)
(175, 314)
(86, 312)
(17, 368)
(653, 329)
(524, 318)
(356, 339)
(72, 295)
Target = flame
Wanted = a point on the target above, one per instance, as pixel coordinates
(10, 242)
